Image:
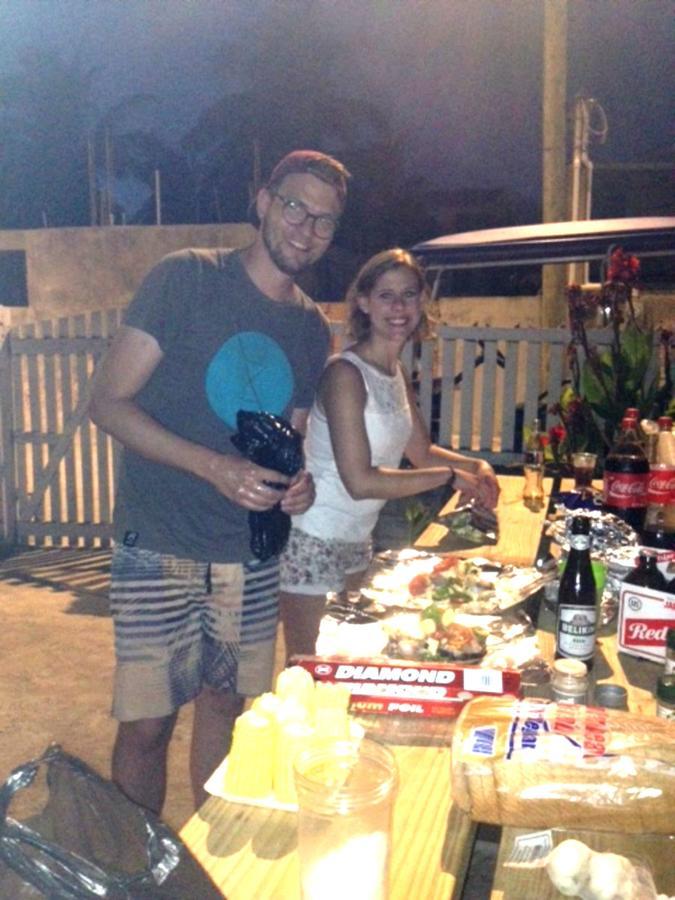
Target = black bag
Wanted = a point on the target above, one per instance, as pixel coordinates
(272, 442)
(87, 840)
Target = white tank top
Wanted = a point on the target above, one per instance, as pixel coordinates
(388, 420)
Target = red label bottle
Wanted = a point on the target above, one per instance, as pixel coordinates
(626, 477)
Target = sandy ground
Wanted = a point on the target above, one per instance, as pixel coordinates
(56, 663)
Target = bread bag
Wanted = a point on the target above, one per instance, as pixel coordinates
(534, 763)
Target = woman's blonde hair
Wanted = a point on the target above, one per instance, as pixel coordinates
(358, 322)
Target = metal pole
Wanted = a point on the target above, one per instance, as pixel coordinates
(158, 199)
(554, 187)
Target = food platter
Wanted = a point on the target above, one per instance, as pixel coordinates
(476, 585)
(430, 607)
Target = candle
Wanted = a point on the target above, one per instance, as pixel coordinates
(250, 763)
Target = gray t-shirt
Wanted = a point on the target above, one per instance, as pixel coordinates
(226, 347)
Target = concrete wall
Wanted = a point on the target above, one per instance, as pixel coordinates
(71, 270)
(524, 312)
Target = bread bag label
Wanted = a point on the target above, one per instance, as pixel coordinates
(536, 731)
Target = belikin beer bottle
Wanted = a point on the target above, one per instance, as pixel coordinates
(577, 620)
(626, 477)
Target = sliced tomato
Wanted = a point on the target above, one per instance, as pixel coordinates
(419, 584)
(448, 562)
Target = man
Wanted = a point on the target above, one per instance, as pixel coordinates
(208, 333)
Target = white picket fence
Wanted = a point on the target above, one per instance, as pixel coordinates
(476, 387)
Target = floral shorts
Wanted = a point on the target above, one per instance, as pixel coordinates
(312, 565)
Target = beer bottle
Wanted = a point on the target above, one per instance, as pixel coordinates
(533, 468)
(646, 573)
(577, 620)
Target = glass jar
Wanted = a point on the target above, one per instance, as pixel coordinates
(669, 668)
(345, 798)
(665, 697)
(569, 681)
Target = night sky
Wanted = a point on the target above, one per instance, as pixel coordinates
(460, 80)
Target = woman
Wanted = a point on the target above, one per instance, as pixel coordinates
(363, 421)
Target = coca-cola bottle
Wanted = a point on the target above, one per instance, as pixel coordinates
(577, 618)
(625, 478)
(659, 526)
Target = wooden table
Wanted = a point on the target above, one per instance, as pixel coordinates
(251, 852)
(519, 527)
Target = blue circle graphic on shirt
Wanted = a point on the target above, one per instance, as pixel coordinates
(252, 372)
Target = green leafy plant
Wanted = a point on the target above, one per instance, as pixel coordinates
(607, 380)
(418, 516)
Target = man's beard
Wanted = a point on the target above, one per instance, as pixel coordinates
(288, 267)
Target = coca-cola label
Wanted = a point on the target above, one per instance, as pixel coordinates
(644, 617)
(661, 485)
(625, 490)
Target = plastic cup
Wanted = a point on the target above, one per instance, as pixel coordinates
(345, 794)
(583, 466)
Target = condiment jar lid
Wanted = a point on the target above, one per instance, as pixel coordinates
(571, 668)
(665, 688)
(611, 696)
(670, 638)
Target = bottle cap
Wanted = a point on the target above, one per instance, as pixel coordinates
(670, 639)
(665, 688)
(581, 525)
(611, 696)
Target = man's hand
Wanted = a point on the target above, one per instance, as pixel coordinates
(300, 494)
(246, 484)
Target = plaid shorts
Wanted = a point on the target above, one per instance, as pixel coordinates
(313, 565)
(181, 624)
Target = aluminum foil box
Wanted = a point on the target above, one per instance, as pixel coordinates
(398, 687)
(644, 617)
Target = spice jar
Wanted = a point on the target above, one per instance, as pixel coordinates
(665, 697)
(569, 681)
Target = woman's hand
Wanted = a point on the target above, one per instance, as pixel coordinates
(488, 486)
(300, 494)
(481, 486)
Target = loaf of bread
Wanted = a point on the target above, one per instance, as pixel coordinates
(533, 763)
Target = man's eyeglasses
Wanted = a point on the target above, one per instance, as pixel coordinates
(295, 213)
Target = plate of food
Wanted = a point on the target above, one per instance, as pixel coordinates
(476, 585)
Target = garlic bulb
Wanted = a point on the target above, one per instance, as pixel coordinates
(567, 867)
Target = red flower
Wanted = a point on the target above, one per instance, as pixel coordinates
(557, 435)
(623, 267)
